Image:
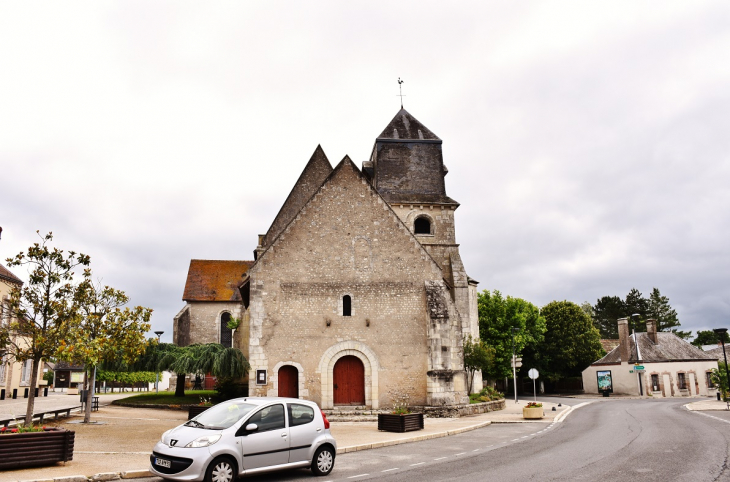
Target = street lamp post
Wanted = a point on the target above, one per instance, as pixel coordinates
(636, 344)
(157, 373)
(721, 332)
(514, 364)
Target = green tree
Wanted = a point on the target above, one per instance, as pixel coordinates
(571, 342)
(706, 337)
(719, 379)
(606, 313)
(103, 329)
(477, 356)
(497, 317)
(194, 359)
(666, 316)
(41, 309)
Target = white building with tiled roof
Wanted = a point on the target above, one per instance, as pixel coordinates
(672, 367)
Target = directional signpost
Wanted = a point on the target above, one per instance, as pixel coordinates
(533, 373)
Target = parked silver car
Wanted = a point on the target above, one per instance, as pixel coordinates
(246, 436)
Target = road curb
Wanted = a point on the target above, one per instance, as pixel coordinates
(417, 438)
(565, 414)
(100, 477)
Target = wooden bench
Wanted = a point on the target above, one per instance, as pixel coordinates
(40, 415)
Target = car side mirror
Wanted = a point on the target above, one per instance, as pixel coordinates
(251, 427)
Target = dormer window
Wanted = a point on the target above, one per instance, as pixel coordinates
(422, 225)
(346, 305)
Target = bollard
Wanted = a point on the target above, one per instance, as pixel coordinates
(36, 391)
(2, 394)
(45, 392)
(25, 393)
(15, 393)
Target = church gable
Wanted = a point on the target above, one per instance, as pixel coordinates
(312, 177)
(346, 213)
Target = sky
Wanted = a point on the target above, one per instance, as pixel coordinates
(588, 143)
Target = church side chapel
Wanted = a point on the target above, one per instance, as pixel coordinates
(357, 294)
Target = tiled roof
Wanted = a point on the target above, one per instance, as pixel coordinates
(405, 126)
(717, 352)
(214, 280)
(669, 348)
(609, 345)
(8, 276)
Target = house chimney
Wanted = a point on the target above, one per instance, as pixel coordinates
(623, 338)
(651, 330)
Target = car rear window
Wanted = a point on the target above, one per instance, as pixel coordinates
(300, 414)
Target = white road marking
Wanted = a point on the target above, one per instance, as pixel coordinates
(461, 453)
(475, 450)
(419, 463)
(359, 475)
(525, 436)
(515, 440)
(712, 416)
(388, 470)
(440, 458)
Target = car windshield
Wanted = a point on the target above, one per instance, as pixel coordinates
(222, 415)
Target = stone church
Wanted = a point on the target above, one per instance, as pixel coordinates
(357, 294)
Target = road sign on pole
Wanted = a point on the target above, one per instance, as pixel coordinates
(533, 373)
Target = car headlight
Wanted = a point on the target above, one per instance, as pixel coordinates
(162, 438)
(204, 441)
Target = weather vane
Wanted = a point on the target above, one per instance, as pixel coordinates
(400, 89)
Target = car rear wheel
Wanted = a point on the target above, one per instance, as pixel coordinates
(221, 470)
(323, 461)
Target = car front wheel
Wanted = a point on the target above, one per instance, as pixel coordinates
(323, 461)
(221, 470)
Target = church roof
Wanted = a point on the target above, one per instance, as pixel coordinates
(214, 280)
(669, 348)
(312, 177)
(6, 275)
(405, 126)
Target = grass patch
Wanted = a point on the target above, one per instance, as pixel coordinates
(192, 397)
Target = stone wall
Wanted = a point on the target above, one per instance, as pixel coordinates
(347, 241)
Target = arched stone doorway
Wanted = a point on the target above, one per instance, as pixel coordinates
(348, 381)
(326, 367)
(288, 381)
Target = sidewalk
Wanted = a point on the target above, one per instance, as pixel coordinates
(707, 405)
(122, 440)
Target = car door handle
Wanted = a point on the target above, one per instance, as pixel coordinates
(284, 434)
(335, 386)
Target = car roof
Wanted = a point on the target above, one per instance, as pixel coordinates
(266, 400)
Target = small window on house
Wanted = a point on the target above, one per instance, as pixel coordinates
(708, 378)
(681, 381)
(422, 225)
(655, 383)
(346, 305)
(226, 333)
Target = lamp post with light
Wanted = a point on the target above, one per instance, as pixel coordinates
(157, 373)
(721, 332)
(636, 344)
(514, 364)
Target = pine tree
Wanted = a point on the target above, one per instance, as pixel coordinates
(606, 313)
(664, 314)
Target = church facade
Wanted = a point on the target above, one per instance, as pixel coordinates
(357, 294)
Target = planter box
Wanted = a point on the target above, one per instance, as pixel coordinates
(400, 423)
(195, 410)
(20, 450)
(532, 413)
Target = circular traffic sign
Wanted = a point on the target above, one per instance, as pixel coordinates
(533, 373)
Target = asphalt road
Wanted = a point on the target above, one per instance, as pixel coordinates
(637, 440)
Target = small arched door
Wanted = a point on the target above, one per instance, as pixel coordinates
(289, 381)
(349, 381)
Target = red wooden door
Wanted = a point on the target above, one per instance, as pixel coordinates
(349, 381)
(289, 381)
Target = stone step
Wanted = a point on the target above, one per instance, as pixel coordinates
(352, 418)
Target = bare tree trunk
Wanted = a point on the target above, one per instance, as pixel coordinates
(90, 387)
(180, 386)
(31, 392)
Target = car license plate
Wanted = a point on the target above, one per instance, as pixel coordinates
(162, 462)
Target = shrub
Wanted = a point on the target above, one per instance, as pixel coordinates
(228, 388)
